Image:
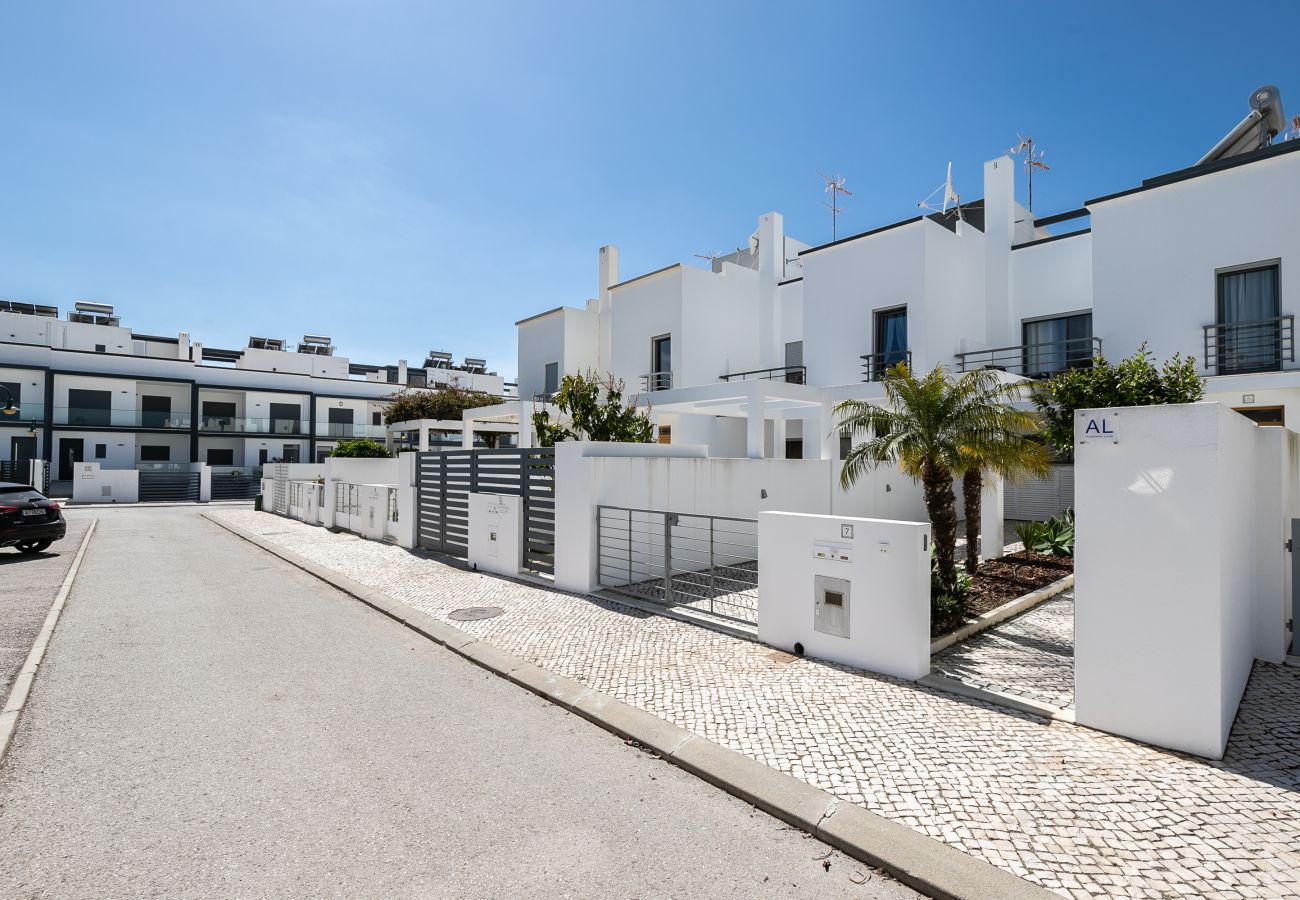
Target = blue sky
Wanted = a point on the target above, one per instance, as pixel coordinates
(410, 176)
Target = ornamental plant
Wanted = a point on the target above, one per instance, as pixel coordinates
(361, 448)
(595, 411)
(1135, 381)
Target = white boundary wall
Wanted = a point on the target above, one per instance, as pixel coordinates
(888, 605)
(1180, 568)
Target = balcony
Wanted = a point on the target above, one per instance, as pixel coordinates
(87, 417)
(252, 425)
(347, 430)
(657, 381)
(1238, 348)
(1034, 360)
(875, 365)
(788, 374)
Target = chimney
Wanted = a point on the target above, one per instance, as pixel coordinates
(999, 235)
(401, 372)
(183, 345)
(771, 267)
(608, 278)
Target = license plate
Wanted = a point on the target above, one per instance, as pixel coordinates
(34, 512)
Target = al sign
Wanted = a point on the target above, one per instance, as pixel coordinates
(1100, 428)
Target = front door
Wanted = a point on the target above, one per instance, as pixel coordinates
(71, 452)
(22, 449)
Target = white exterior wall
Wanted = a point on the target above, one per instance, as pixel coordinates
(178, 446)
(1051, 279)
(844, 286)
(120, 447)
(93, 484)
(1155, 253)
(950, 314)
(640, 311)
(1169, 612)
(719, 328)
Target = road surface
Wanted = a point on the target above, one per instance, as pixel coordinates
(212, 722)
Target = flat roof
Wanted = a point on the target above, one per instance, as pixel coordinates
(1232, 162)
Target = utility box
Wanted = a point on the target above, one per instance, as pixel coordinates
(496, 533)
(847, 590)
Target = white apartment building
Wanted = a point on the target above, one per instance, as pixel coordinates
(750, 356)
(89, 389)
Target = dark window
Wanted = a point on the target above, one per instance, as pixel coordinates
(89, 407)
(891, 341)
(665, 434)
(846, 444)
(794, 360)
(661, 363)
(376, 418)
(155, 453)
(552, 381)
(417, 378)
(100, 348)
(794, 448)
(1056, 344)
(340, 422)
(221, 456)
(15, 391)
(1264, 415)
(155, 412)
(101, 451)
(1248, 330)
(291, 453)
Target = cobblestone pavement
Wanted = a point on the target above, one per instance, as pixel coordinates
(1079, 812)
(1031, 655)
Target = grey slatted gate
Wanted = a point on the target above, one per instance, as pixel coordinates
(447, 478)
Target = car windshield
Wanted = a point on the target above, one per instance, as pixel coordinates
(23, 494)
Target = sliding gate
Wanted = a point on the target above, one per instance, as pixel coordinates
(707, 563)
(447, 478)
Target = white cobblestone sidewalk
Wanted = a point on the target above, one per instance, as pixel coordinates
(1079, 812)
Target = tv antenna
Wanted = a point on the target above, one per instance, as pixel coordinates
(1294, 133)
(711, 257)
(949, 196)
(1033, 160)
(835, 187)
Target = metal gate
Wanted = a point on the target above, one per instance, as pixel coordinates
(447, 478)
(168, 486)
(707, 563)
(235, 484)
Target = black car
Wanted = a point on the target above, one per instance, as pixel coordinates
(29, 521)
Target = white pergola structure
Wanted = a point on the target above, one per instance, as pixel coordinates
(756, 401)
(422, 428)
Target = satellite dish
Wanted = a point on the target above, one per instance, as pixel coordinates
(949, 197)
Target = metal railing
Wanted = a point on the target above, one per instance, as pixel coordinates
(788, 374)
(875, 365)
(1034, 360)
(706, 563)
(350, 430)
(657, 381)
(1236, 348)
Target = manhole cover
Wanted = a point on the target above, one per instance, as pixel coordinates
(474, 613)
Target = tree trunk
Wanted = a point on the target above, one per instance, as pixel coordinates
(972, 486)
(941, 504)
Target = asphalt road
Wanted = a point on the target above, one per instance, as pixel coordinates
(28, 585)
(212, 722)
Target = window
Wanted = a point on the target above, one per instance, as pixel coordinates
(665, 434)
(1056, 344)
(100, 348)
(551, 382)
(661, 363)
(86, 407)
(794, 448)
(376, 418)
(891, 341)
(1248, 329)
(846, 444)
(155, 453)
(101, 451)
(794, 361)
(1264, 415)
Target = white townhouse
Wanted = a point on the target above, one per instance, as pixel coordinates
(87, 388)
(750, 355)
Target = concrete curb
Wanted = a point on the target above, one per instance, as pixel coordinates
(920, 862)
(22, 686)
(1001, 614)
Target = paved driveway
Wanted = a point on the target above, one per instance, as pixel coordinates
(27, 588)
(211, 722)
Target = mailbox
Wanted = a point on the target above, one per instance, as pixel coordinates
(831, 605)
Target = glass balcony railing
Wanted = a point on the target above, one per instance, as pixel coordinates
(252, 425)
(119, 418)
(27, 413)
(347, 430)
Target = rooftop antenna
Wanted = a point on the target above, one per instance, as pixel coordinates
(835, 187)
(1294, 133)
(949, 196)
(1033, 160)
(711, 257)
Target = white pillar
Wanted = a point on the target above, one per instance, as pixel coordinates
(754, 430)
(999, 234)
(991, 515)
(466, 431)
(423, 440)
(778, 438)
(402, 380)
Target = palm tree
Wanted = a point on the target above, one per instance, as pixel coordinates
(1006, 450)
(932, 428)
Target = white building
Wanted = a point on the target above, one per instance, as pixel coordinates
(749, 356)
(89, 389)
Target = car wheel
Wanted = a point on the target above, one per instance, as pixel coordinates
(34, 546)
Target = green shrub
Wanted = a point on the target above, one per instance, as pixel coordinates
(361, 448)
(1057, 536)
(946, 611)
